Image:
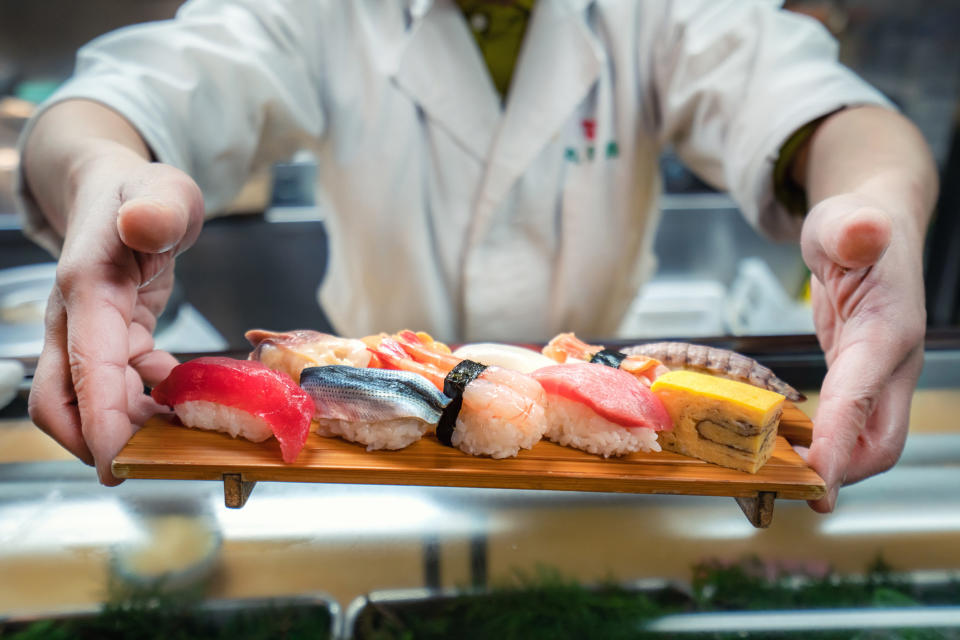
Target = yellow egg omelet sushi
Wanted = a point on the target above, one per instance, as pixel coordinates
(729, 423)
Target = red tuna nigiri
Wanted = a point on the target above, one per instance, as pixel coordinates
(239, 397)
(611, 393)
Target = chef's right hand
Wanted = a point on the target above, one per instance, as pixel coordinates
(127, 219)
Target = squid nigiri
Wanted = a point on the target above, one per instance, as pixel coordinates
(507, 356)
(495, 412)
(601, 410)
(293, 351)
(379, 408)
(241, 398)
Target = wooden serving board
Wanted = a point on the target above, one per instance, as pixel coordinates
(164, 450)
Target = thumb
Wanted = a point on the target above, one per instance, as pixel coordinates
(844, 232)
(161, 210)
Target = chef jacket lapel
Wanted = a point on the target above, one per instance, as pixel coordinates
(440, 68)
(558, 65)
(503, 294)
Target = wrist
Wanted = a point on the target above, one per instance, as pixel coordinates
(96, 165)
(86, 173)
(73, 144)
(877, 154)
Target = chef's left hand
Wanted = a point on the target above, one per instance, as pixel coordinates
(868, 306)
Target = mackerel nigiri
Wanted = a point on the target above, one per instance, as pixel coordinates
(601, 410)
(379, 408)
(239, 397)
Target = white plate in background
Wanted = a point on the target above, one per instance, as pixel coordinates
(11, 375)
(23, 299)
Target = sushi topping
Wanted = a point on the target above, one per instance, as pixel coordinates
(609, 357)
(566, 347)
(293, 351)
(612, 394)
(717, 362)
(268, 396)
(371, 395)
(454, 383)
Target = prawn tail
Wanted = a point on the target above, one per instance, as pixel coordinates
(716, 361)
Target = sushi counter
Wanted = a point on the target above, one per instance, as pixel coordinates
(356, 550)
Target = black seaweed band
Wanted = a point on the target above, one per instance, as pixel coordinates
(453, 385)
(609, 357)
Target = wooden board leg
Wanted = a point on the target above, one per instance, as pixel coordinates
(759, 509)
(236, 490)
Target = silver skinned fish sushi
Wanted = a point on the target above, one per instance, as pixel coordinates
(378, 408)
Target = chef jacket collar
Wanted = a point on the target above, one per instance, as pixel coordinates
(559, 64)
(443, 72)
(438, 65)
(416, 9)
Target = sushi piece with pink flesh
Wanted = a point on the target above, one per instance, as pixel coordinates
(600, 409)
(239, 397)
(494, 412)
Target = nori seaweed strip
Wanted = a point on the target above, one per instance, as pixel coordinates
(456, 381)
(609, 357)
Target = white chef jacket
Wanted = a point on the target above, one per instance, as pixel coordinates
(449, 211)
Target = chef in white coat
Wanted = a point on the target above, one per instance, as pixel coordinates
(470, 205)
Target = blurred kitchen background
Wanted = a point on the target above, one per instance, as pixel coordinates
(730, 282)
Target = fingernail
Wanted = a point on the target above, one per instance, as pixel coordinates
(143, 204)
(151, 206)
(145, 221)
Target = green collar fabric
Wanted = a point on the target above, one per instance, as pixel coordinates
(498, 27)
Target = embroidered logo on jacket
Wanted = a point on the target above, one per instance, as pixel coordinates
(588, 149)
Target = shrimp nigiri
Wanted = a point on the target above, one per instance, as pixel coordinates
(495, 412)
(566, 347)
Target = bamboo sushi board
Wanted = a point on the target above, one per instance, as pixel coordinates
(164, 450)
